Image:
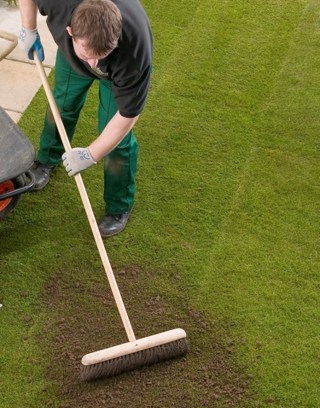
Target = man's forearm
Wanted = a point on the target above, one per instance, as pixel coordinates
(113, 133)
(28, 12)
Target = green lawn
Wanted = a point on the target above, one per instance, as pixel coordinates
(228, 201)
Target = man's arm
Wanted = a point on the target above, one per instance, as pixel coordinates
(29, 40)
(78, 159)
(28, 13)
(111, 136)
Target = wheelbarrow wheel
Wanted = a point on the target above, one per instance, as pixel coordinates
(8, 204)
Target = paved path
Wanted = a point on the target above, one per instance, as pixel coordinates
(19, 78)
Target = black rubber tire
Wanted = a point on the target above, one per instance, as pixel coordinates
(19, 181)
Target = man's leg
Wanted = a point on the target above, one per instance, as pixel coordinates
(119, 171)
(69, 92)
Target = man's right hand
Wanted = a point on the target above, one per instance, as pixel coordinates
(29, 41)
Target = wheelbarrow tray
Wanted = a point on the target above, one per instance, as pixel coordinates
(17, 153)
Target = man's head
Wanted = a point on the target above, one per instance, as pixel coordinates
(95, 28)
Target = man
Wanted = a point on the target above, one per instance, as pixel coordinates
(103, 40)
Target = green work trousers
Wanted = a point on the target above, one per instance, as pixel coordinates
(70, 91)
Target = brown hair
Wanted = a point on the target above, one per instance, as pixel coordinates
(99, 23)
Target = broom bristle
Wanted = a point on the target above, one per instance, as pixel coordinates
(133, 361)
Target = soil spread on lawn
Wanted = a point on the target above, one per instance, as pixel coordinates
(84, 319)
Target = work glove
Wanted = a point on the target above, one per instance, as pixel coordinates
(29, 41)
(76, 160)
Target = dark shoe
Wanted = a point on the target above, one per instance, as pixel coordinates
(42, 173)
(113, 224)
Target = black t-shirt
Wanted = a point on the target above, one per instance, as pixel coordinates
(128, 66)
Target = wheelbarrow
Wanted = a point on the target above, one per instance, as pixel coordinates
(16, 158)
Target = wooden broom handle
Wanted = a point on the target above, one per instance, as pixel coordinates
(9, 37)
(87, 205)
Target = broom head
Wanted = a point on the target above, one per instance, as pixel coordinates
(133, 355)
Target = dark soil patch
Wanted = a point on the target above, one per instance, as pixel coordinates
(85, 319)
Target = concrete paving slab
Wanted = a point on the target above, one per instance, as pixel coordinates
(10, 22)
(19, 83)
(14, 116)
(8, 17)
(19, 78)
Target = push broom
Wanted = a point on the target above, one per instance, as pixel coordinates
(136, 353)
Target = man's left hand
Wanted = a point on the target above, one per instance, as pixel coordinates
(77, 159)
(29, 41)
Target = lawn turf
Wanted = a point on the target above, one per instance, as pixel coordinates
(226, 212)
